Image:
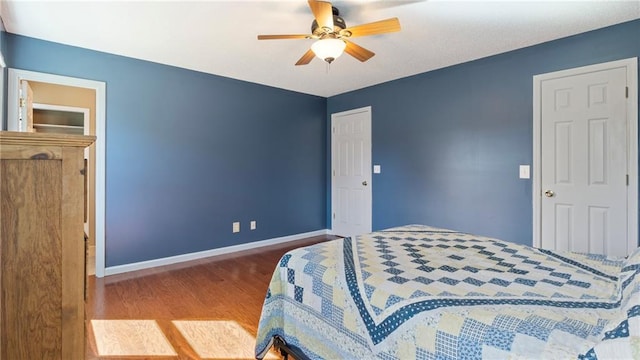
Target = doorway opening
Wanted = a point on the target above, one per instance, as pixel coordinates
(56, 95)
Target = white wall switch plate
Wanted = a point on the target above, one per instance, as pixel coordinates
(376, 169)
(253, 225)
(525, 172)
(236, 227)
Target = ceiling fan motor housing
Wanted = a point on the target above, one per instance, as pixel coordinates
(338, 24)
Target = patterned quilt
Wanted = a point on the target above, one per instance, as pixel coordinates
(418, 292)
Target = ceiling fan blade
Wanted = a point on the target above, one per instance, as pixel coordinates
(374, 28)
(323, 13)
(278, 37)
(358, 51)
(306, 58)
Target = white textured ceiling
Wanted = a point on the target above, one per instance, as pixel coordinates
(219, 37)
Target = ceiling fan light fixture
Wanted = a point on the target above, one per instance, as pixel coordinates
(328, 49)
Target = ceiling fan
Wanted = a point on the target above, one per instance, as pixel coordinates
(332, 34)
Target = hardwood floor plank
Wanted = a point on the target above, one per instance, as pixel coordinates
(227, 287)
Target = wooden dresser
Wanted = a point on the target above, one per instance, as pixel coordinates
(42, 272)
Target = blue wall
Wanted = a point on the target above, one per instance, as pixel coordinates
(189, 153)
(450, 141)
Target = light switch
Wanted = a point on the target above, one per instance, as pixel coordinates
(525, 172)
(376, 169)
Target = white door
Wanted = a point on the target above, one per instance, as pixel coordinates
(584, 158)
(351, 172)
(26, 107)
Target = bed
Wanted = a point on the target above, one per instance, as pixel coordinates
(419, 292)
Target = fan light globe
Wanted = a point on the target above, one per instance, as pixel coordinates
(328, 49)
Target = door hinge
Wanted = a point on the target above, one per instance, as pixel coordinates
(627, 179)
(333, 130)
(334, 216)
(21, 102)
(626, 92)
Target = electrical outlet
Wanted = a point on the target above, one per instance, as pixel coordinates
(236, 227)
(253, 225)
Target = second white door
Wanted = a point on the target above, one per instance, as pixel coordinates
(351, 172)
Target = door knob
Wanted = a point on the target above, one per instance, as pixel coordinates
(549, 193)
(364, 183)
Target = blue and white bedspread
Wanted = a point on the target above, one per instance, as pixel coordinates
(419, 292)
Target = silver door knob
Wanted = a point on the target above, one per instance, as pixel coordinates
(364, 183)
(549, 193)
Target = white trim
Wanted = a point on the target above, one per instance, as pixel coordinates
(632, 112)
(536, 163)
(101, 102)
(330, 232)
(119, 269)
(3, 83)
(631, 66)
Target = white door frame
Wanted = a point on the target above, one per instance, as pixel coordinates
(631, 66)
(15, 75)
(370, 178)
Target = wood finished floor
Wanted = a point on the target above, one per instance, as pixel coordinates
(227, 287)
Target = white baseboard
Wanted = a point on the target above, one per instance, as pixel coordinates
(119, 269)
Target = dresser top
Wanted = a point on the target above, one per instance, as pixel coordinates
(44, 139)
